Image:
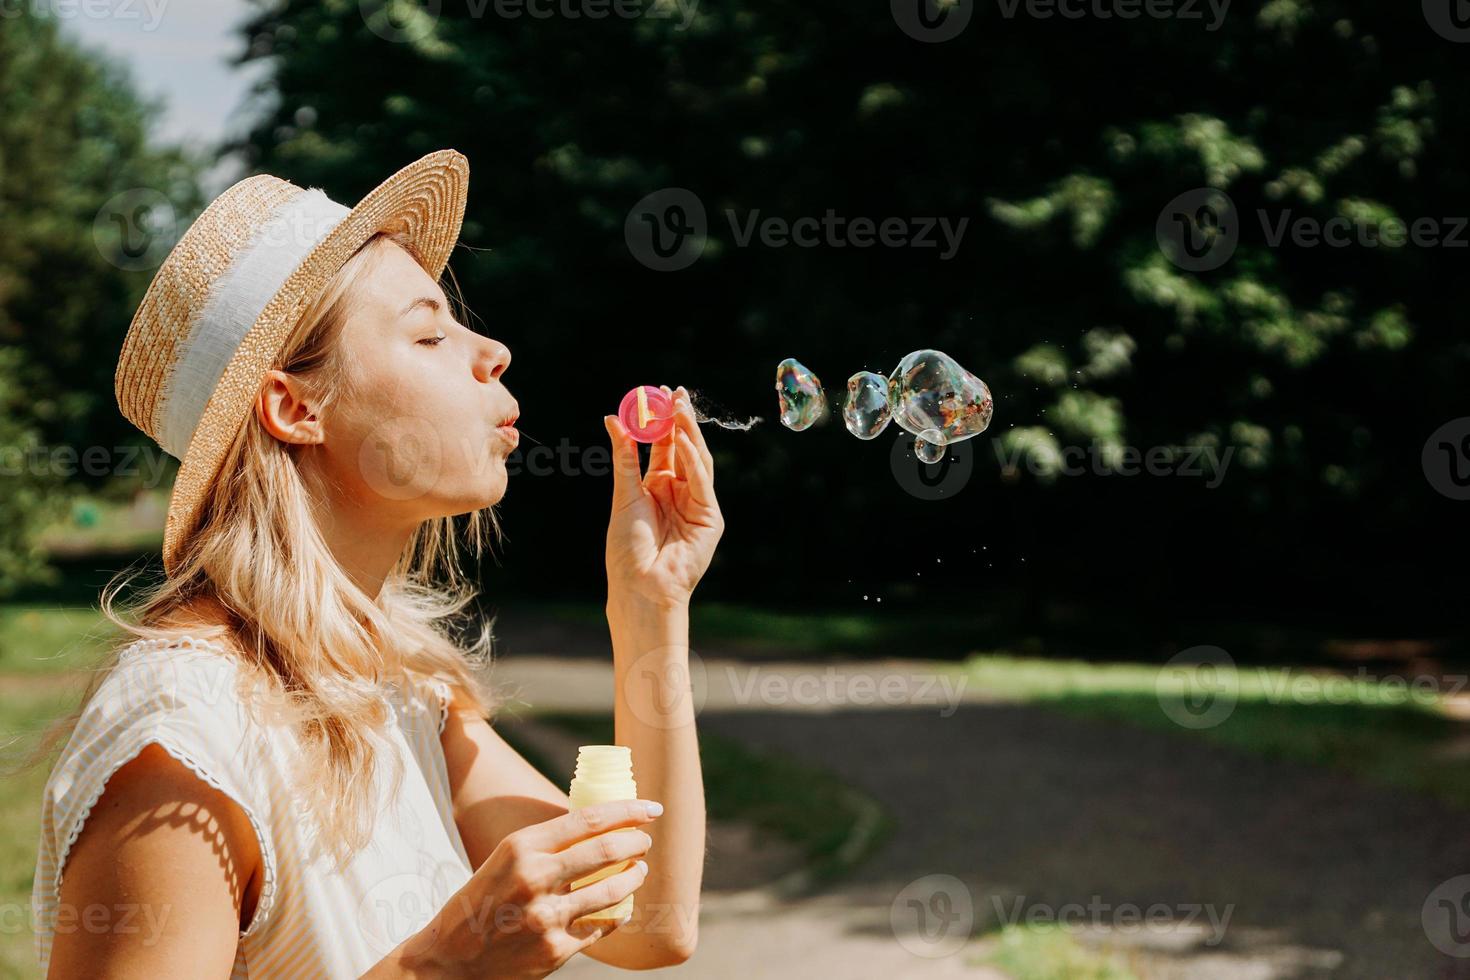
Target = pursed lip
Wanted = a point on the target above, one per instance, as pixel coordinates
(507, 429)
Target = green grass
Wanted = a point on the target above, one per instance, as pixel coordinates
(41, 639)
(22, 712)
(1382, 732)
(833, 825)
(1050, 953)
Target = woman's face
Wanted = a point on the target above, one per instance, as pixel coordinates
(420, 426)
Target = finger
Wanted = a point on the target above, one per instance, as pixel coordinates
(661, 454)
(607, 892)
(627, 476)
(587, 932)
(559, 833)
(692, 469)
(695, 432)
(583, 858)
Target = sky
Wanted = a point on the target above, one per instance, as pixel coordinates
(177, 50)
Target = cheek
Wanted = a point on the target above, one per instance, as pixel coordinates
(393, 434)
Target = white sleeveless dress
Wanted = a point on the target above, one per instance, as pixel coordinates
(310, 921)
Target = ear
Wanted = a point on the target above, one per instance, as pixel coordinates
(286, 410)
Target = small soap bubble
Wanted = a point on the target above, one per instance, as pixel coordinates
(867, 411)
(799, 395)
(929, 446)
(928, 452)
(930, 390)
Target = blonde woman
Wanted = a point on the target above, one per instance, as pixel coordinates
(288, 772)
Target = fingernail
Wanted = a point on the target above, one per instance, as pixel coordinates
(654, 809)
(682, 390)
(642, 866)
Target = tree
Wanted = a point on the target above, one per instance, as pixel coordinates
(1062, 141)
(89, 209)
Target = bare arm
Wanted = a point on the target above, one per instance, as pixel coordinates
(654, 715)
(496, 792)
(165, 870)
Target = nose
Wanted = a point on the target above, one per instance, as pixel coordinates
(493, 359)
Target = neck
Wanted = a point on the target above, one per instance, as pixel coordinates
(364, 540)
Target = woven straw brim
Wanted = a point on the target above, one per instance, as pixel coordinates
(426, 201)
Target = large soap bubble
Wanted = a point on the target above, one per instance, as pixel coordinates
(932, 394)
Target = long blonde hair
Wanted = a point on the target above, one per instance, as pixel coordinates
(316, 643)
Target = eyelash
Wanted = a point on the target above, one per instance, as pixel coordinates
(433, 341)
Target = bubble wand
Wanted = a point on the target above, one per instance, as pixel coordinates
(647, 413)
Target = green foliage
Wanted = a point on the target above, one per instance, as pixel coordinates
(1059, 142)
(73, 137)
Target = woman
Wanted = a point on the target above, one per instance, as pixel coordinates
(289, 772)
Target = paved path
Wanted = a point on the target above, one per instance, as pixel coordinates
(1034, 813)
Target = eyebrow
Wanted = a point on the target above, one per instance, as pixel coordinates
(428, 301)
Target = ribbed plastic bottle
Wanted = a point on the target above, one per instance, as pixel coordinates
(604, 774)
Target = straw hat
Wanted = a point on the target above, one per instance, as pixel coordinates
(231, 290)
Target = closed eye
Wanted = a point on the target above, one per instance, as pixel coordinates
(433, 341)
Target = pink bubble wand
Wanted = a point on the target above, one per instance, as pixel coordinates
(647, 413)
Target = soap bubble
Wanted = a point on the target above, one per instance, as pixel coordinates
(930, 390)
(799, 395)
(867, 411)
(929, 446)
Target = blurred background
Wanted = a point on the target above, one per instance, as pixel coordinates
(1183, 632)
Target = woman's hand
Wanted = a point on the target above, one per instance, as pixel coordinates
(665, 524)
(515, 916)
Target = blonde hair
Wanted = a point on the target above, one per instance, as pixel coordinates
(311, 642)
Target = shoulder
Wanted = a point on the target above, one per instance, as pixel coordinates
(159, 768)
(159, 838)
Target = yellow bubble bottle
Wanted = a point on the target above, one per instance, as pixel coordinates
(604, 774)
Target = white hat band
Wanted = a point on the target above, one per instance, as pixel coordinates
(235, 303)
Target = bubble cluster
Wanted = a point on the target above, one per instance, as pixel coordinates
(867, 411)
(799, 395)
(939, 402)
(929, 394)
